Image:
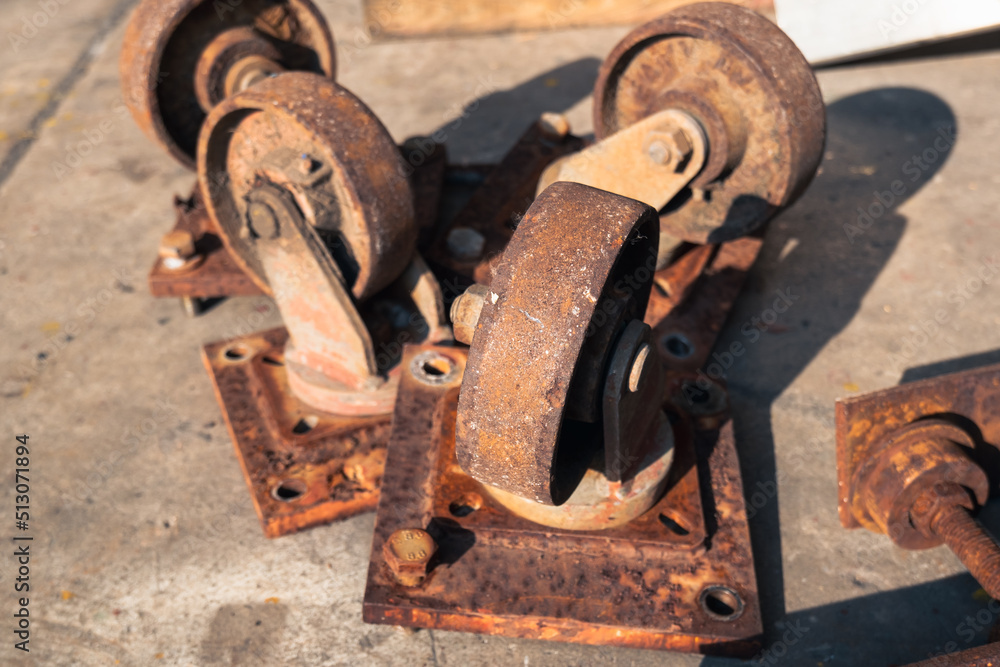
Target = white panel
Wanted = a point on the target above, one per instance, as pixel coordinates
(831, 30)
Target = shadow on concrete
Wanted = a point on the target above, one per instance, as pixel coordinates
(491, 123)
(947, 366)
(826, 252)
(878, 629)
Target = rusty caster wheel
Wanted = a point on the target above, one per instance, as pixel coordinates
(310, 195)
(752, 94)
(180, 58)
(327, 150)
(559, 413)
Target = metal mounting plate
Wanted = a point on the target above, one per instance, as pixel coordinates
(304, 467)
(645, 585)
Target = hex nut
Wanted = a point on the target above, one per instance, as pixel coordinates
(408, 553)
(465, 312)
(671, 148)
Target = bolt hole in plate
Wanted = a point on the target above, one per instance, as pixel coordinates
(721, 603)
(677, 345)
(278, 437)
(675, 527)
(305, 424)
(434, 368)
(237, 353)
(289, 490)
(702, 398)
(466, 505)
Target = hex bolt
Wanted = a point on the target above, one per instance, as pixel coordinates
(178, 244)
(942, 512)
(408, 553)
(659, 153)
(178, 252)
(554, 126)
(465, 312)
(465, 243)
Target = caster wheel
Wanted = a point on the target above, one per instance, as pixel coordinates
(313, 145)
(182, 57)
(752, 92)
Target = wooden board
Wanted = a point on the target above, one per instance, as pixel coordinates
(412, 18)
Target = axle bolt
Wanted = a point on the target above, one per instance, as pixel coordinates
(465, 312)
(943, 512)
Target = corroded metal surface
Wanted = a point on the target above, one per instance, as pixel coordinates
(687, 320)
(166, 39)
(681, 577)
(497, 206)
(651, 160)
(914, 460)
(544, 337)
(751, 90)
(357, 188)
(304, 468)
(865, 422)
(221, 276)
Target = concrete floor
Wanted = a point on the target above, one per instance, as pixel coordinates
(147, 550)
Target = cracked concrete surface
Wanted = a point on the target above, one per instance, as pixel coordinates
(147, 550)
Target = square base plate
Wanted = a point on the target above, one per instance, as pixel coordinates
(304, 467)
(680, 577)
